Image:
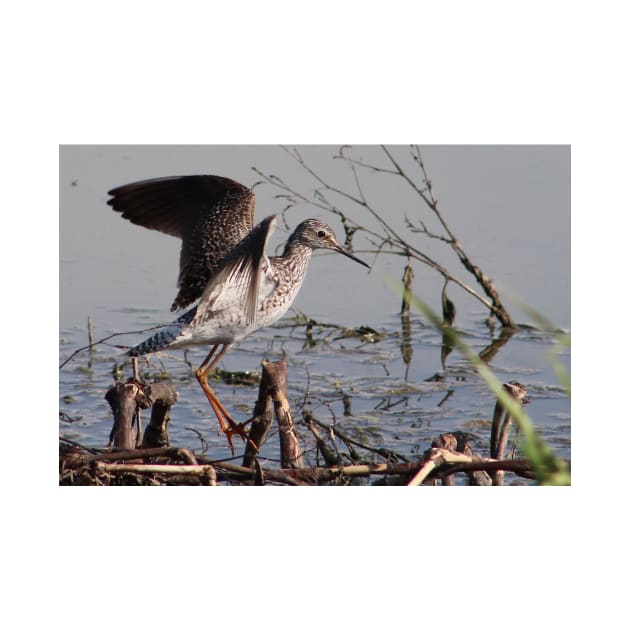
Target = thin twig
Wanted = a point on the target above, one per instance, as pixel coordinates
(392, 238)
(105, 339)
(90, 340)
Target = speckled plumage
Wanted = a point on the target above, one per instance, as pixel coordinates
(211, 215)
(221, 315)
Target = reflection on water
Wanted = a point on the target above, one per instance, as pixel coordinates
(490, 351)
(406, 347)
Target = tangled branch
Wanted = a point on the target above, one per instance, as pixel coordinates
(387, 239)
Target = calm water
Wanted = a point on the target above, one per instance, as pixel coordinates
(509, 206)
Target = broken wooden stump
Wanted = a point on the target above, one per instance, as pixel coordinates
(272, 397)
(501, 422)
(126, 399)
(164, 396)
(263, 414)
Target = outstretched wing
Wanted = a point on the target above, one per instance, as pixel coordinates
(239, 275)
(211, 215)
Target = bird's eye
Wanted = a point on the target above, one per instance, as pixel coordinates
(321, 234)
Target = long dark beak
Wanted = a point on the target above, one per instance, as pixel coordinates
(341, 250)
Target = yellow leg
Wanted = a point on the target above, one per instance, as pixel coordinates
(228, 425)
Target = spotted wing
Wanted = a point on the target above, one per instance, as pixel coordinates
(239, 274)
(211, 215)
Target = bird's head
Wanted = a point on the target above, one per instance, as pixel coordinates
(319, 235)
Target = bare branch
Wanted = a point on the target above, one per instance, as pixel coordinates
(390, 241)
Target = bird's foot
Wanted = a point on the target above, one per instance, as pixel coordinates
(234, 428)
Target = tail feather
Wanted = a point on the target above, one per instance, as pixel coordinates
(165, 337)
(159, 341)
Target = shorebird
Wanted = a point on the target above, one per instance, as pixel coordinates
(222, 266)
